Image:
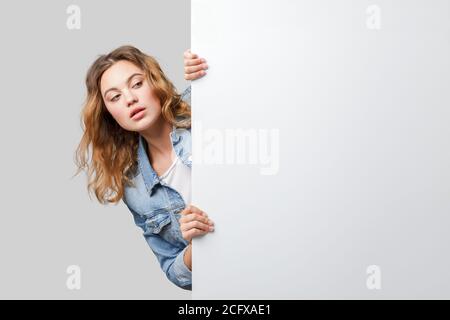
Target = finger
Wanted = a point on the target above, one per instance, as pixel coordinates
(195, 209)
(186, 210)
(193, 233)
(196, 225)
(195, 217)
(186, 52)
(189, 55)
(193, 62)
(193, 69)
(195, 76)
(192, 209)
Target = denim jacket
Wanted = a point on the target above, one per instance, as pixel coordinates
(155, 207)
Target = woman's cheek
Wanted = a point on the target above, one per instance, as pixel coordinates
(120, 117)
(122, 120)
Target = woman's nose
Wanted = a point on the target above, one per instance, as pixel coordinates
(130, 97)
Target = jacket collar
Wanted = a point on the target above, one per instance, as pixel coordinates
(149, 175)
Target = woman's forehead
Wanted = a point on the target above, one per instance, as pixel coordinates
(118, 74)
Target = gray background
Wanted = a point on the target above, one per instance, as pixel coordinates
(47, 220)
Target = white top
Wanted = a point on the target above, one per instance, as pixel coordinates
(178, 176)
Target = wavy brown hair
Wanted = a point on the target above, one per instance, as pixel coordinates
(107, 152)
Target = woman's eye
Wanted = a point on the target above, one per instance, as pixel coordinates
(137, 84)
(115, 98)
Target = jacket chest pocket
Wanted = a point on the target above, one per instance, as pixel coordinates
(156, 223)
(165, 226)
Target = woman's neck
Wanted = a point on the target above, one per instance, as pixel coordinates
(158, 140)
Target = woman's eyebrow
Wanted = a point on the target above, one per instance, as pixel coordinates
(128, 81)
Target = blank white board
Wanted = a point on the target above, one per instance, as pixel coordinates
(321, 149)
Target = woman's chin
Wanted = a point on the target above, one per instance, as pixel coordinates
(143, 124)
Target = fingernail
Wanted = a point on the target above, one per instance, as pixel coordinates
(211, 228)
(203, 60)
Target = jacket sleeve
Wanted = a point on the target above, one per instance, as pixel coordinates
(186, 95)
(170, 258)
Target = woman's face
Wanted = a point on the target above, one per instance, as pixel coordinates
(129, 97)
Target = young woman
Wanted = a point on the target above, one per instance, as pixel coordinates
(136, 147)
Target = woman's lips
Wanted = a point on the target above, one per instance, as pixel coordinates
(138, 115)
